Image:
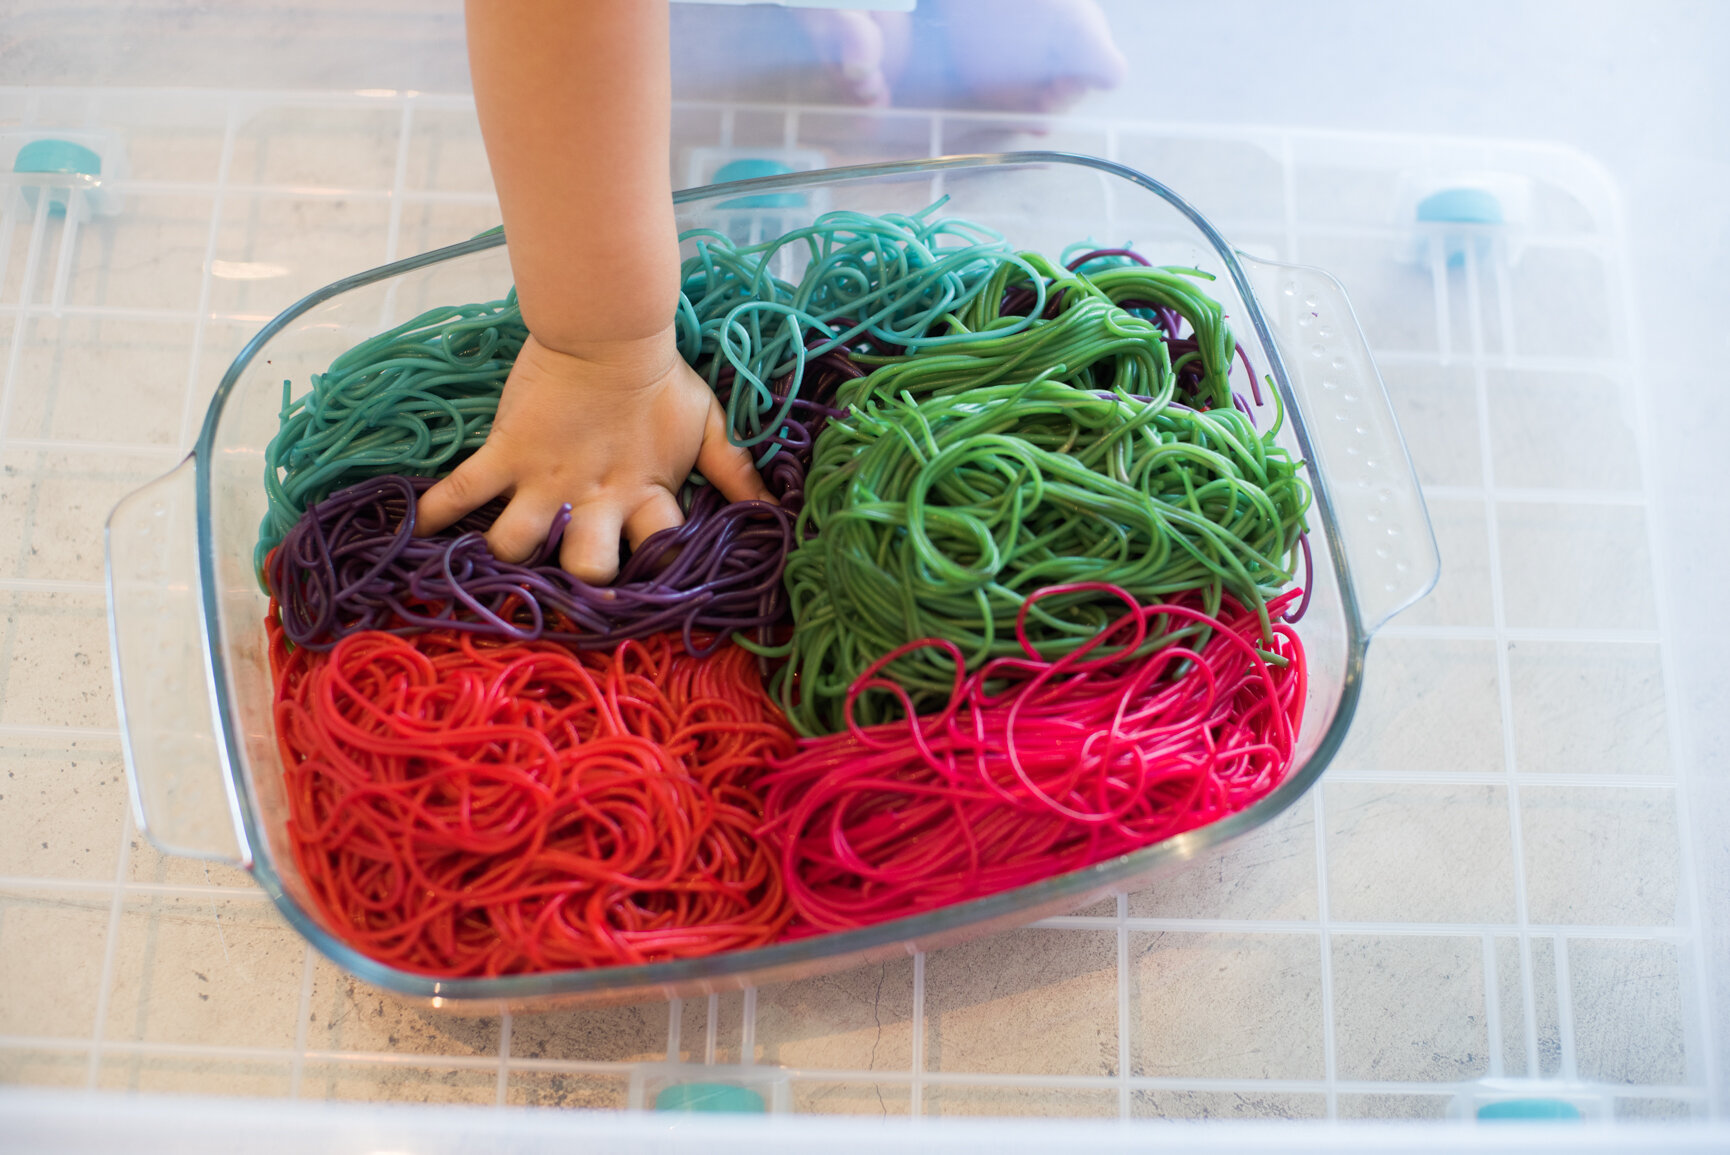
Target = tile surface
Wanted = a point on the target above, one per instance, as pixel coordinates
(1580, 708)
(51, 946)
(1490, 879)
(1032, 1001)
(1401, 853)
(1227, 1006)
(62, 808)
(344, 1014)
(1409, 1008)
(1603, 856)
(205, 971)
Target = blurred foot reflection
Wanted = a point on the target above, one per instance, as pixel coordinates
(1033, 56)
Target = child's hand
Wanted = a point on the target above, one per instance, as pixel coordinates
(614, 432)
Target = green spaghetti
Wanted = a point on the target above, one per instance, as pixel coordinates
(939, 518)
(1092, 343)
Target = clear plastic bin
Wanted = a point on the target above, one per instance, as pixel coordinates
(187, 614)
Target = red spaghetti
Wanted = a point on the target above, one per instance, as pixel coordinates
(472, 808)
(1035, 768)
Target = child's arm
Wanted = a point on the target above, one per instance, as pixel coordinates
(600, 410)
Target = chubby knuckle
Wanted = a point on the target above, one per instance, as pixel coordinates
(460, 487)
(592, 570)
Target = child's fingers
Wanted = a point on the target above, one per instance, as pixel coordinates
(660, 511)
(590, 549)
(521, 528)
(470, 486)
(727, 466)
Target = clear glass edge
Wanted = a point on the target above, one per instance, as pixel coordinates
(735, 968)
(1434, 573)
(141, 819)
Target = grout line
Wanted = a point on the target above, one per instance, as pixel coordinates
(1504, 690)
(675, 1024)
(1114, 234)
(1424, 358)
(1247, 225)
(157, 889)
(110, 948)
(934, 147)
(521, 1065)
(302, 1025)
(15, 356)
(1249, 133)
(1123, 1022)
(1700, 1050)
(312, 192)
(106, 448)
(710, 1029)
(504, 1058)
(115, 312)
(916, 1088)
(1492, 1006)
(1537, 496)
(146, 188)
(1505, 299)
(1338, 927)
(77, 204)
(1330, 1060)
(790, 127)
(1492, 778)
(1565, 1012)
(13, 199)
(1523, 634)
(1402, 234)
(88, 733)
(748, 1030)
(230, 128)
(393, 226)
(1324, 940)
(1288, 194)
(50, 586)
(240, 318)
(32, 505)
(399, 182)
(836, 1075)
(1439, 291)
(427, 196)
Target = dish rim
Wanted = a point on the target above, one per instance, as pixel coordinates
(734, 968)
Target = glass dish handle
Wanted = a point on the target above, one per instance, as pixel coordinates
(176, 765)
(1354, 442)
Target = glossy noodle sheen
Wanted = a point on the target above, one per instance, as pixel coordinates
(1022, 605)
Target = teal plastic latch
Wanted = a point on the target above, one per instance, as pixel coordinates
(750, 168)
(1529, 1111)
(1461, 206)
(721, 1098)
(1476, 210)
(55, 157)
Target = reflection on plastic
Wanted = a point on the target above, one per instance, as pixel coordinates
(1383, 523)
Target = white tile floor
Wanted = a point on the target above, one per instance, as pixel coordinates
(1492, 880)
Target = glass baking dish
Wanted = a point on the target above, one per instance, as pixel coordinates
(186, 613)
